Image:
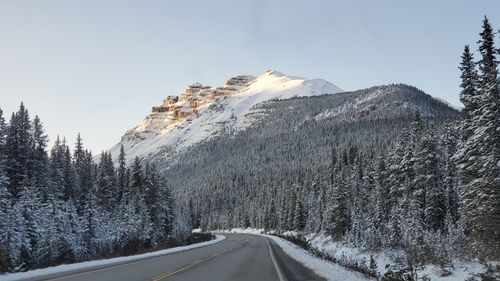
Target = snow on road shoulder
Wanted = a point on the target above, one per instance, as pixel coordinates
(105, 262)
(323, 268)
(461, 270)
(326, 269)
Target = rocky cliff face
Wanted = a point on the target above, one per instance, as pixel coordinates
(174, 110)
(202, 112)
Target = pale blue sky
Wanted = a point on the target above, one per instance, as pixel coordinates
(97, 67)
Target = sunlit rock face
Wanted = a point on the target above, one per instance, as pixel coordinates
(203, 111)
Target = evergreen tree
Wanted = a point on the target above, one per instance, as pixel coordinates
(299, 218)
(339, 208)
(469, 96)
(39, 158)
(428, 169)
(106, 182)
(18, 150)
(479, 147)
(5, 223)
(92, 222)
(488, 134)
(122, 174)
(136, 178)
(153, 200)
(71, 188)
(449, 144)
(3, 136)
(270, 219)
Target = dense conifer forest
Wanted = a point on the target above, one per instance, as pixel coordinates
(408, 173)
(61, 207)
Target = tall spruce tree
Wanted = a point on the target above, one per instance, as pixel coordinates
(489, 137)
(478, 152)
(122, 174)
(106, 182)
(18, 149)
(5, 201)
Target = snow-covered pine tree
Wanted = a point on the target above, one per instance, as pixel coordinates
(122, 183)
(381, 193)
(79, 154)
(57, 168)
(39, 159)
(339, 209)
(82, 161)
(468, 171)
(478, 151)
(469, 96)
(429, 175)
(3, 136)
(5, 206)
(29, 204)
(136, 178)
(488, 133)
(106, 183)
(18, 148)
(158, 209)
(270, 220)
(167, 206)
(71, 188)
(92, 222)
(449, 141)
(299, 215)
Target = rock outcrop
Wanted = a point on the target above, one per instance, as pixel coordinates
(176, 109)
(202, 112)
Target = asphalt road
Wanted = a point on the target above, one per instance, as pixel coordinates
(238, 257)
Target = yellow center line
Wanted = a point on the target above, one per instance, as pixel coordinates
(168, 274)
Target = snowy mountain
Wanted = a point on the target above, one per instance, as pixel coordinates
(202, 112)
(296, 136)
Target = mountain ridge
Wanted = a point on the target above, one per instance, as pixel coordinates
(203, 111)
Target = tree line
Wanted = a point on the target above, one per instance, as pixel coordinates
(62, 207)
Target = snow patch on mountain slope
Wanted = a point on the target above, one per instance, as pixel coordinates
(227, 114)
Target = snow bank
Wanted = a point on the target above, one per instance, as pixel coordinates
(326, 269)
(461, 270)
(105, 262)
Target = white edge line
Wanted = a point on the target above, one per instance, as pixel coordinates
(281, 276)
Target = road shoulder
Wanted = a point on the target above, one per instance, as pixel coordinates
(75, 268)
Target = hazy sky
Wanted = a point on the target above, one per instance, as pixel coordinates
(97, 67)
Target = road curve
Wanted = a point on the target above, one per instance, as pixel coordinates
(238, 257)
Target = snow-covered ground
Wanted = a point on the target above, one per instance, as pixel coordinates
(326, 269)
(103, 262)
(461, 269)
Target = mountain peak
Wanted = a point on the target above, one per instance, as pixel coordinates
(202, 111)
(273, 73)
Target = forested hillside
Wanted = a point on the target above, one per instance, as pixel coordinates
(333, 163)
(383, 168)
